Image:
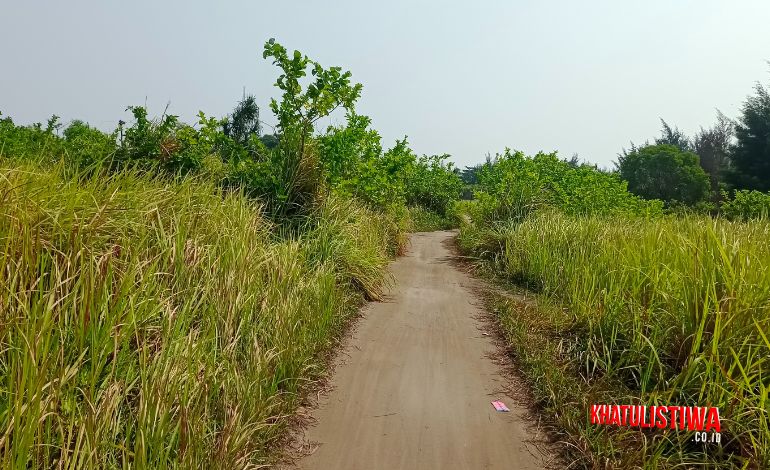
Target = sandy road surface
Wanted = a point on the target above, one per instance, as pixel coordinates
(414, 390)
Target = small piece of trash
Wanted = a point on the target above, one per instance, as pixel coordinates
(484, 334)
(500, 406)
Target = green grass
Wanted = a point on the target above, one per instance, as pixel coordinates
(670, 310)
(157, 324)
(425, 220)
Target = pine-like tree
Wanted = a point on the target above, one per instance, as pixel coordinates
(750, 160)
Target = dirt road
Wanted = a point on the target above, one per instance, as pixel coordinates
(414, 389)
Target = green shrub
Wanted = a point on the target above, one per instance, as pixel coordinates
(425, 220)
(514, 186)
(163, 143)
(746, 205)
(86, 145)
(33, 142)
(433, 184)
(355, 164)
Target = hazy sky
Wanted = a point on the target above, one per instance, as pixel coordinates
(464, 78)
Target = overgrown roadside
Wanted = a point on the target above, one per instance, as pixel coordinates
(545, 341)
(535, 337)
(159, 324)
(169, 291)
(525, 330)
(662, 317)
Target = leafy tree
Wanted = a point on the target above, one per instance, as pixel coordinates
(750, 160)
(298, 108)
(711, 145)
(270, 141)
(293, 180)
(664, 172)
(470, 177)
(241, 133)
(434, 184)
(514, 185)
(470, 174)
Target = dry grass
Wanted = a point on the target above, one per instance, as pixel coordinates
(661, 311)
(148, 324)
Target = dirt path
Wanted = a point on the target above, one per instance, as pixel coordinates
(414, 389)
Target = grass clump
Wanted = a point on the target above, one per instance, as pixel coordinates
(665, 310)
(151, 323)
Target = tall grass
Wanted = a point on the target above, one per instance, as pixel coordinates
(151, 324)
(672, 310)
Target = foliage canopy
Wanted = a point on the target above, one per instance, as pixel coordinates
(664, 172)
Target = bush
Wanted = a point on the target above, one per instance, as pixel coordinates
(164, 143)
(746, 205)
(355, 164)
(514, 185)
(30, 142)
(80, 145)
(425, 220)
(86, 145)
(433, 184)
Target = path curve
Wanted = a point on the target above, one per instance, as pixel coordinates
(413, 390)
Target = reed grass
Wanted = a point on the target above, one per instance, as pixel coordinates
(154, 324)
(668, 310)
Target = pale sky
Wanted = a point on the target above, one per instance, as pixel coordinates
(464, 78)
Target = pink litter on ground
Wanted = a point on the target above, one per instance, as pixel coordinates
(500, 406)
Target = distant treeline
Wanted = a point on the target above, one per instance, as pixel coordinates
(724, 168)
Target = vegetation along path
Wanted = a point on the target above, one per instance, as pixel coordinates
(416, 385)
